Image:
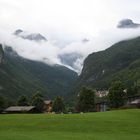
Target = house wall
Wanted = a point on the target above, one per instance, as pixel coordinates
(101, 107)
(132, 98)
(48, 107)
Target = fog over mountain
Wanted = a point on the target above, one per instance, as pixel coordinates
(66, 32)
(71, 55)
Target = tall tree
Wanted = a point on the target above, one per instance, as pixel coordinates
(58, 105)
(137, 87)
(37, 101)
(37, 94)
(22, 101)
(2, 103)
(116, 94)
(86, 100)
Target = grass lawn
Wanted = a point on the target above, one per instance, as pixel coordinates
(113, 125)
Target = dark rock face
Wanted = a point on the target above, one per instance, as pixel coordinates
(128, 23)
(8, 50)
(1, 55)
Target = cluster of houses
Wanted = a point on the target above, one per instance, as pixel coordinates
(101, 105)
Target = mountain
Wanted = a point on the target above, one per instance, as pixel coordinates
(119, 62)
(128, 23)
(29, 36)
(19, 76)
(1, 55)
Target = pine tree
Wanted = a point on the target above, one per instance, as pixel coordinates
(22, 101)
(58, 105)
(86, 100)
(37, 101)
(2, 103)
(116, 95)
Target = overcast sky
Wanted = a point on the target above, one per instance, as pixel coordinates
(72, 16)
(66, 22)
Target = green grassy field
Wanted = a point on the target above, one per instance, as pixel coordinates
(113, 125)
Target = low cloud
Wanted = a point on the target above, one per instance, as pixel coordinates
(72, 54)
(38, 51)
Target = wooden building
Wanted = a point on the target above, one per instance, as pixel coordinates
(101, 106)
(48, 106)
(101, 103)
(20, 109)
(133, 98)
(134, 101)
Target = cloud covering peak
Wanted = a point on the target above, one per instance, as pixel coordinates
(73, 28)
(72, 54)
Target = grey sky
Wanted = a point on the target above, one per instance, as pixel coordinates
(73, 16)
(66, 22)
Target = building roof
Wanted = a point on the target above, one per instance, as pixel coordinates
(47, 102)
(102, 93)
(19, 108)
(137, 101)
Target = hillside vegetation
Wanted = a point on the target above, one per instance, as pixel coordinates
(119, 62)
(19, 76)
(113, 125)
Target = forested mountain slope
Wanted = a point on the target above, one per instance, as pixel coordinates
(119, 62)
(19, 76)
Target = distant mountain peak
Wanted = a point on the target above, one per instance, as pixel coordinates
(29, 36)
(17, 32)
(128, 23)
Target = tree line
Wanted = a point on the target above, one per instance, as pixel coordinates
(85, 100)
(36, 100)
(117, 96)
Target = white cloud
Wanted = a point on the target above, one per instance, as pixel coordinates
(65, 23)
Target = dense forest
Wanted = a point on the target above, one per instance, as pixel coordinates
(19, 76)
(119, 62)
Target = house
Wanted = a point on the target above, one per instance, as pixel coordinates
(101, 106)
(132, 98)
(20, 109)
(101, 101)
(134, 101)
(102, 93)
(48, 106)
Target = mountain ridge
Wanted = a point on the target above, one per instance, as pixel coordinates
(29, 36)
(115, 63)
(20, 76)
